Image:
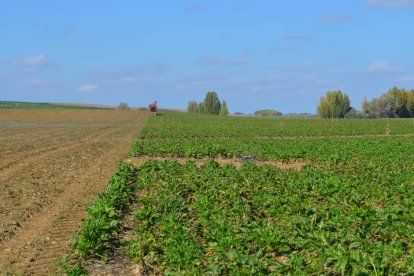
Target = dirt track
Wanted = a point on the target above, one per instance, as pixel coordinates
(53, 164)
(138, 161)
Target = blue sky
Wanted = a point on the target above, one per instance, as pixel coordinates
(259, 54)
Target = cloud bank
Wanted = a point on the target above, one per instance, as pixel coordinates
(30, 61)
(390, 3)
(215, 60)
(88, 88)
(383, 67)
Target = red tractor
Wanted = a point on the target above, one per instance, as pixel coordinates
(153, 109)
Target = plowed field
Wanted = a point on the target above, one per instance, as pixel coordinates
(53, 163)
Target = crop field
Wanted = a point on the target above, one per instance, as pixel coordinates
(53, 164)
(256, 196)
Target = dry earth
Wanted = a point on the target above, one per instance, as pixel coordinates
(238, 163)
(53, 163)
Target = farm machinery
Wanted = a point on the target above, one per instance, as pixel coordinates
(153, 109)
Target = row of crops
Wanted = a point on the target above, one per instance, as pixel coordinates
(349, 210)
(202, 126)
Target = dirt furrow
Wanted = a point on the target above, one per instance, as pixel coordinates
(75, 174)
(48, 152)
(43, 187)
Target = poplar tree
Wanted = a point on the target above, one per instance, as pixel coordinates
(334, 105)
(192, 107)
(212, 103)
(224, 111)
(364, 106)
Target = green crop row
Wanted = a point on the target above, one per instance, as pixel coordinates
(350, 210)
(103, 221)
(263, 220)
(177, 125)
(336, 150)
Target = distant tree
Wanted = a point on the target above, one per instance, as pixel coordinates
(352, 113)
(223, 110)
(410, 103)
(302, 114)
(238, 113)
(201, 108)
(401, 97)
(123, 106)
(383, 107)
(364, 106)
(267, 112)
(355, 114)
(334, 105)
(192, 107)
(212, 103)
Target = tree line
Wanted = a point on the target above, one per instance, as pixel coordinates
(210, 105)
(395, 103)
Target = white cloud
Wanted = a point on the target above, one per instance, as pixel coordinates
(390, 3)
(30, 61)
(195, 8)
(88, 88)
(282, 49)
(336, 17)
(314, 80)
(128, 75)
(303, 67)
(33, 82)
(407, 79)
(128, 79)
(70, 28)
(271, 78)
(383, 67)
(215, 60)
(298, 37)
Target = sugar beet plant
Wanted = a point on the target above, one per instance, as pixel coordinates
(102, 223)
(263, 220)
(349, 211)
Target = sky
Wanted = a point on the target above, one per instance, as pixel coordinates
(263, 54)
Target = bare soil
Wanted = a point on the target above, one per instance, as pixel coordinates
(119, 263)
(238, 163)
(53, 164)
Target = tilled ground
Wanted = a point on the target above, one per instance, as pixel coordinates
(53, 164)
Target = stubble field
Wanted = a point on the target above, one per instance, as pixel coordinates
(53, 164)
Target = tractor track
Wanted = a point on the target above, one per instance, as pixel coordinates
(64, 180)
(27, 206)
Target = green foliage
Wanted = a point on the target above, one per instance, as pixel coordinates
(75, 270)
(30, 105)
(192, 107)
(364, 106)
(395, 103)
(223, 110)
(102, 223)
(349, 211)
(267, 112)
(201, 109)
(123, 106)
(212, 104)
(383, 107)
(260, 220)
(196, 126)
(401, 98)
(410, 103)
(334, 105)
